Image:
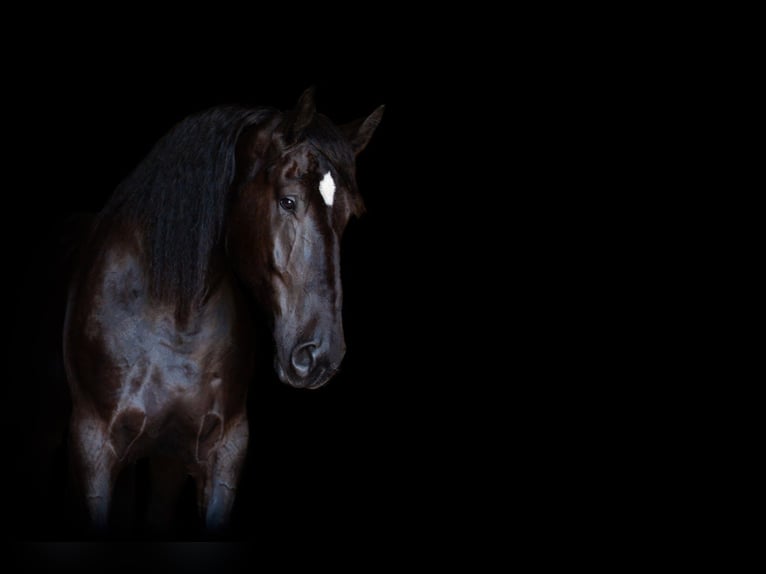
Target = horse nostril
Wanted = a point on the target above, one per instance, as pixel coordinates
(303, 358)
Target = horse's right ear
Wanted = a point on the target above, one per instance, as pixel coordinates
(304, 110)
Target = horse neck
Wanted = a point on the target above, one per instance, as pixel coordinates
(216, 270)
(115, 237)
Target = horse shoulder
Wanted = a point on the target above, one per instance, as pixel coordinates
(101, 315)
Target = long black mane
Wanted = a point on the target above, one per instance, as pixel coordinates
(178, 195)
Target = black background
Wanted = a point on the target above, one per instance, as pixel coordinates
(475, 285)
(370, 448)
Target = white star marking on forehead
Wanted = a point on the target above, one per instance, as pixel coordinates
(327, 188)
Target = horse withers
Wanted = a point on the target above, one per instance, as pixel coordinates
(233, 205)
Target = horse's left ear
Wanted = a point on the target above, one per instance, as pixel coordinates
(360, 132)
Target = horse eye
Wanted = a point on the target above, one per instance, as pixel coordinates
(287, 203)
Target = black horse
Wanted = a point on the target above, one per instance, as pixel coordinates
(231, 206)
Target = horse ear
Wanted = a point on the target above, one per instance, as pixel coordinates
(305, 110)
(359, 132)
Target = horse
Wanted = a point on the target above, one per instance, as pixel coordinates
(233, 207)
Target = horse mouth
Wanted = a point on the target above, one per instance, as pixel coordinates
(322, 378)
(317, 378)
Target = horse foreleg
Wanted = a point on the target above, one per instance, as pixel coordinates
(95, 465)
(222, 471)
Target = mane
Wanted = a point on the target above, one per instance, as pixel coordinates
(178, 195)
(322, 133)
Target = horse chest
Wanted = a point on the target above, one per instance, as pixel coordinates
(165, 385)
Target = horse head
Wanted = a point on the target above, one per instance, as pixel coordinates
(296, 193)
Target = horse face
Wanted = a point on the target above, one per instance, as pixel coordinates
(307, 215)
(285, 234)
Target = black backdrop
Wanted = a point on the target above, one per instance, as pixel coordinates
(342, 459)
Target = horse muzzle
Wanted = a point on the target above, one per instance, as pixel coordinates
(309, 366)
